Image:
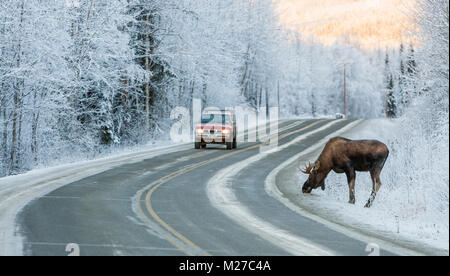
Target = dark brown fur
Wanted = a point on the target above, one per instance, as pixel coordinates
(346, 156)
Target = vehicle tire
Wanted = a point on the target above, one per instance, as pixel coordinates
(235, 143)
(229, 145)
(198, 145)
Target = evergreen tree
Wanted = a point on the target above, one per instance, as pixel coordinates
(410, 60)
(402, 81)
(391, 104)
(411, 71)
(150, 96)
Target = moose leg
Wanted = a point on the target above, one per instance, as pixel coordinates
(351, 184)
(376, 185)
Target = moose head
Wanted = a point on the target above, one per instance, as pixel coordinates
(316, 178)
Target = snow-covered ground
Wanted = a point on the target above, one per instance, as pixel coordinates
(412, 204)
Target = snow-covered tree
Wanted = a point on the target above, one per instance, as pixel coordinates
(421, 145)
(391, 104)
(85, 76)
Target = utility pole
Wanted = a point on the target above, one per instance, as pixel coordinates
(345, 85)
(345, 90)
(267, 103)
(278, 94)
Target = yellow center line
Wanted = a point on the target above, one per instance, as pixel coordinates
(163, 180)
(162, 233)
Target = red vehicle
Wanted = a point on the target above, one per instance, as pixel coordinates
(217, 127)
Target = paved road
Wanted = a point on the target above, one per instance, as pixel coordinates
(160, 206)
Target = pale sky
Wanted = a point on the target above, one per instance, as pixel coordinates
(370, 23)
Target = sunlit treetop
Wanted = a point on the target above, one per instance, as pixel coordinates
(372, 24)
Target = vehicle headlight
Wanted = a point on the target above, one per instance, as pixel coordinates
(199, 131)
(226, 131)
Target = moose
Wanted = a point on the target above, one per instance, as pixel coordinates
(347, 156)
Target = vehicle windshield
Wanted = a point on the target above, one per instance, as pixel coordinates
(215, 119)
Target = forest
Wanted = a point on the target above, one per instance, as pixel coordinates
(81, 78)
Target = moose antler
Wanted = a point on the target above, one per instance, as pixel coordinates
(307, 169)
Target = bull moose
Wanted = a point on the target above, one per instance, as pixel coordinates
(346, 156)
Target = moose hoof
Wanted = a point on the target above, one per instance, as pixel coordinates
(368, 205)
(352, 201)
